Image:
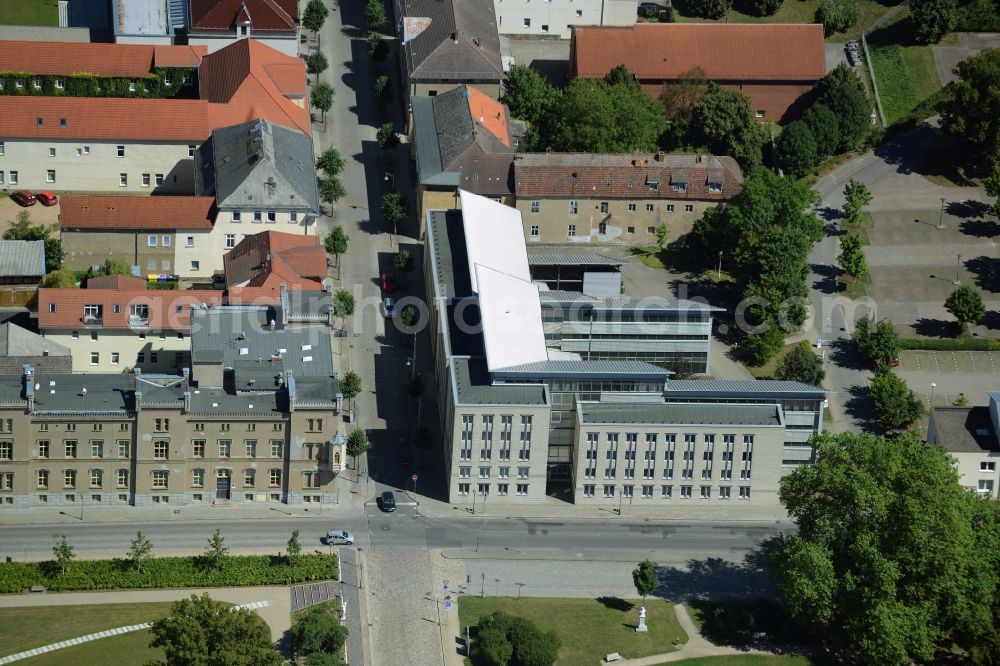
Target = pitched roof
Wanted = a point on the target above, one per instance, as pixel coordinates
(103, 118)
(451, 40)
(136, 212)
(258, 165)
(638, 176)
(724, 51)
(248, 80)
(17, 341)
(119, 60)
(22, 258)
(168, 310)
(119, 282)
(271, 258)
(267, 16)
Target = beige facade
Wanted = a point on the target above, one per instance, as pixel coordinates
(97, 166)
(611, 221)
(152, 251)
(112, 350)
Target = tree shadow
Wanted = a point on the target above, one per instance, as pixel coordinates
(844, 354)
(715, 578)
(991, 320)
(859, 407)
(935, 328)
(370, 226)
(614, 603)
(830, 214)
(980, 228)
(827, 282)
(986, 272)
(906, 150)
(968, 208)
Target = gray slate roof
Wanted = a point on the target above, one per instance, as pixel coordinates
(472, 383)
(461, 43)
(637, 370)
(965, 429)
(681, 414)
(20, 258)
(17, 341)
(258, 165)
(740, 388)
(557, 258)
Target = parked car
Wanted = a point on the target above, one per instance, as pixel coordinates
(389, 307)
(388, 282)
(47, 198)
(387, 501)
(339, 537)
(652, 10)
(24, 197)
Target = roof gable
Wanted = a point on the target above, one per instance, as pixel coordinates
(457, 40)
(268, 16)
(271, 258)
(17, 341)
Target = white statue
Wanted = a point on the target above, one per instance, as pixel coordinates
(642, 620)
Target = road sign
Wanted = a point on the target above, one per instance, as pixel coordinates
(413, 478)
(446, 585)
(447, 606)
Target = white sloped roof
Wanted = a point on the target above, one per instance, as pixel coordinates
(512, 319)
(494, 237)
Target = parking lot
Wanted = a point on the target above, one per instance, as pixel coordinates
(954, 373)
(39, 214)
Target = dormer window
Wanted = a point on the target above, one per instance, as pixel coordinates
(715, 188)
(652, 182)
(679, 182)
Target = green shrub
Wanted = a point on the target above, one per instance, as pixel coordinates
(163, 572)
(950, 344)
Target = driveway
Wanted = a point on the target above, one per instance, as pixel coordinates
(549, 57)
(40, 214)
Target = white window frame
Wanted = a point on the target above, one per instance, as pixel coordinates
(151, 240)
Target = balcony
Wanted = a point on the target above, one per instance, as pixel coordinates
(93, 321)
(136, 321)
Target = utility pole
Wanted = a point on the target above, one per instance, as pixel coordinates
(958, 268)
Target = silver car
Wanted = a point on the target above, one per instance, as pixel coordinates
(339, 537)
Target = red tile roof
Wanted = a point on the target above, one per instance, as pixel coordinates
(489, 113)
(238, 81)
(270, 16)
(623, 176)
(163, 307)
(724, 51)
(102, 118)
(117, 282)
(122, 60)
(136, 212)
(271, 258)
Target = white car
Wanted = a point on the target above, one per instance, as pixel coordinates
(339, 537)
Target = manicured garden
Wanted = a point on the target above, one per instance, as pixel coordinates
(29, 12)
(587, 629)
(164, 572)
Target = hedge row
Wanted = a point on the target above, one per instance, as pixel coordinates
(950, 344)
(90, 85)
(162, 572)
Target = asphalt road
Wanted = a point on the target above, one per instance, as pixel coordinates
(498, 538)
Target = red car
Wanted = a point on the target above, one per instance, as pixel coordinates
(388, 282)
(24, 197)
(47, 198)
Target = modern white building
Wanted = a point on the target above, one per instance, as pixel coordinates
(554, 17)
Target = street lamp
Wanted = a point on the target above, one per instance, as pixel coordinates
(391, 179)
(718, 273)
(933, 386)
(940, 224)
(958, 268)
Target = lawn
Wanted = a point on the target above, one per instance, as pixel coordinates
(26, 628)
(905, 73)
(801, 11)
(126, 650)
(766, 371)
(588, 629)
(747, 660)
(29, 12)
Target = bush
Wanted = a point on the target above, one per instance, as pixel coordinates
(318, 630)
(710, 9)
(838, 15)
(760, 7)
(505, 639)
(161, 572)
(796, 149)
(382, 89)
(950, 344)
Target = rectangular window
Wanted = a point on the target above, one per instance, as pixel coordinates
(50, 175)
(249, 477)
(525, 452)
(744, 492)
(236, 217)
(160, 479)
(121, 151)
(574, 207)
(95, 358)
(274, 478)
(250, 448)
(759, 113)
(258, 216)
(69, 478)
(649, 208)
(987, 466)
(588, 490)
(13, 178)
(96, 478)
(502, 488)
(604, 206)
(124, 446)
(688, 208)
(131, 85)
(122, 478)
(166, 241)
(272, 216)
(534, 231)
(724, 492)
(609, 490)
(6, 450)
(198, 478)
(42, 478)
(535, 205)
(158, 179)
(706, 492)
(123, 180)
(666, 492)
(685, 492)
(277, 448)
(198, 448)
(145, 180)
(70, 446)
(230, 241)
(484, 488)
(527, 23)
(189, 241)
(631, 207)
(224, 447)
(670, 208)
(161, 450)
(522, 489)
(115, 358)
(715, 188)
(463, 489)
(571, 231)
(97, 448)
(293, 217)
(522, 472)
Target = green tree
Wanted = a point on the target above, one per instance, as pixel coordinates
(318, 630)
(409, 315)
(531, 98)
(724, 121)
(382, 89)
(966, 305)
(856, 196)
(662, 233)
(762, 346)
(217, 552)
(506, 639)
(22, 229)
(62, 278)
(971, 111)
(293, 548)
(796, 149)
(322, 98)
(343, 304)
(116, 267)
(377, 49)
(877, 342)
(838, 15)
(139, 550)
(801, 364)
(332, 190)
(852, 257)
(680, 97)
(63, 553)
(824, 127)
(932, 19)
(992, 185)
(621, 75)
(393, 207)
(316, 63)
(844, 94)
(357, 445)
(350, 386)
(403, 261)
(891, 557)
(595, 116)
(203, 632)
(386, 137)
(762, 7)
(710, 9)
(314, 16)
(336, 243)
(645, 580)
(374, 14)
(896, 406)
(331, 162)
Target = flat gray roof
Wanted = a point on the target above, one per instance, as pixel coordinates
(472, 382)
(742, 388)
(216, 401)
(557, 258)
(965, 429)
(637, 370)
(680, 414)
(65, 393)
(20, 258)
(447, 238)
